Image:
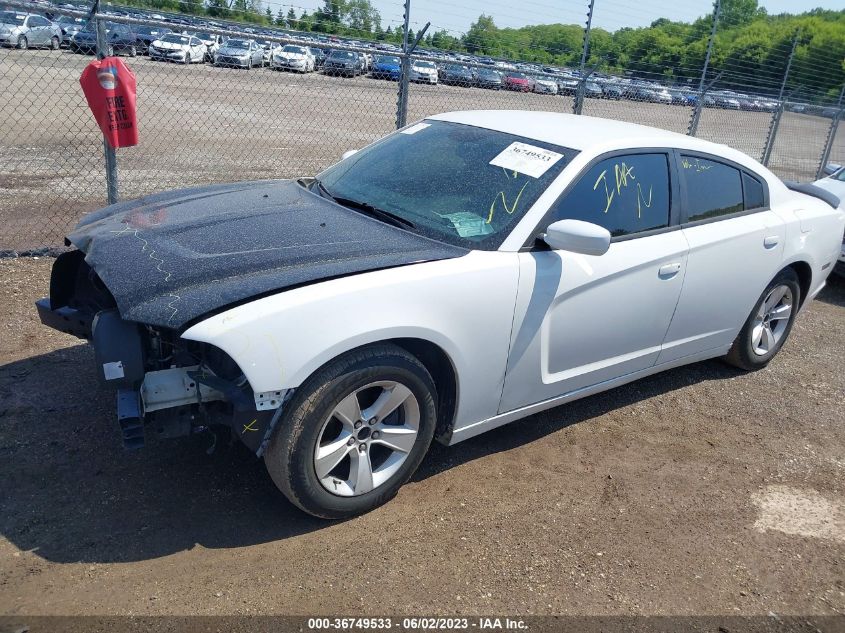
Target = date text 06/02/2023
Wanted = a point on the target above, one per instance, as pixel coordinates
(418, 623)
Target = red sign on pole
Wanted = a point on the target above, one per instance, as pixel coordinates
(109, 87)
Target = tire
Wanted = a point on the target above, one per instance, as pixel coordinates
(187, 61)
(311, 421)
(110, 51)
(23, 44)
(55, 43)
(762, 335)
(133, 51)
(249, 64)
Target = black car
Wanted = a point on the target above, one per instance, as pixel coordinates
(348, 63)
(119, 39)
(70, 26)
(457, 75)
(488, 78)
(146, 35)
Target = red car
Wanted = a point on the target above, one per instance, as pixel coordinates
(517, 81)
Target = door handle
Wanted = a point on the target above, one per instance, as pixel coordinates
(770, 241)
(667, 271)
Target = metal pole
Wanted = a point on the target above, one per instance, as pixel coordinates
(699, 104)
(402, 101)
(776, 117)
(831, 136)
(108, 150)
(578, 105)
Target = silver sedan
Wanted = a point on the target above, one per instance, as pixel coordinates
(240, 53)
(27, 29)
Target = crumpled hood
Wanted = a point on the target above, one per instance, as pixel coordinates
(173, 257)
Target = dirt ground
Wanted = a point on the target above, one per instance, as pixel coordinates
(201, 124)
(699, 491)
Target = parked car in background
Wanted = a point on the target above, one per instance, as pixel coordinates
(28, 30)
(119, 39)
(545, 85)
(612, 91)
(319, 56)
(343, 63)
(593, 90)
(517, 81)
(465, 272)
(567, 86)
(423, 72)
(240, 53)
(457, 75)
(212, 43)
(293, 57)
(386, 67)
(178, 47)
(835, 183)
(146, 35)
(489, 78)
(69, 26)
(726, 101)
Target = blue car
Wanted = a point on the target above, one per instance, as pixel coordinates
(386, 67)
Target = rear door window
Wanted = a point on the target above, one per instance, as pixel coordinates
(753, 192)
(713, 189)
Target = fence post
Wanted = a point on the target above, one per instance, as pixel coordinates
(699, 104)
(831, 135)
(578, 104)
(402, 98)
(775, 124)
(108, 150)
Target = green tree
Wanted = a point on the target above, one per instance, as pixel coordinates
(482, 36)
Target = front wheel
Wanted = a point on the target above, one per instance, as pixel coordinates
(133, 51)
(55, 43)
(769, 323)
(23, 44)
(354, 432)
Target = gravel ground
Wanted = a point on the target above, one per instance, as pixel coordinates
(202, 124)
(699, 491)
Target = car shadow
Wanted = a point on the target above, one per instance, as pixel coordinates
(72, 494)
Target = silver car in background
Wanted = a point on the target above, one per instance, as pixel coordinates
(23, 30)
(240, 53)
(423, 72)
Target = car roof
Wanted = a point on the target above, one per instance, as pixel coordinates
(585, 133)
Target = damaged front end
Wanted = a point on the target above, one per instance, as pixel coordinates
(165, 385)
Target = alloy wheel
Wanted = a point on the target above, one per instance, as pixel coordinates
(366, 438)
(772, 320)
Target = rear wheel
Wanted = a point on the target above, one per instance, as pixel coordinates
(354, 432)
(187, 61)
(133, 51)
(769, 324)
(23, 44)
(55, 43)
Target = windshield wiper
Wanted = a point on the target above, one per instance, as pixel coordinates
(381, 214)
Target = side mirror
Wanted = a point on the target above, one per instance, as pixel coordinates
(578, 237)
(348, 153)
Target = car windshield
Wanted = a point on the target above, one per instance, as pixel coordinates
(456, 183)
(423, 64)
(204, 36)
(290, 48)
(237, 44)
(342, 54)
(390, 61)
(517, 76)
(10, 17)
(175, 38)
(66, 19)
(151, 30)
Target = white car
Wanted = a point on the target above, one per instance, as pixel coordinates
(177, 47)
(423, 72)
(464, 272)
(212, 43)
(545, 85)
(835, 183)
(293, 57)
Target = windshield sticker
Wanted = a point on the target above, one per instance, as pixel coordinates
(526, 159)
(415, 128)
(468, 224)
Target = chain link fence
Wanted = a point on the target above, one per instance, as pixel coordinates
(200, 123)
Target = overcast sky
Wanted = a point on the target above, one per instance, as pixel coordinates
(609, 14)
